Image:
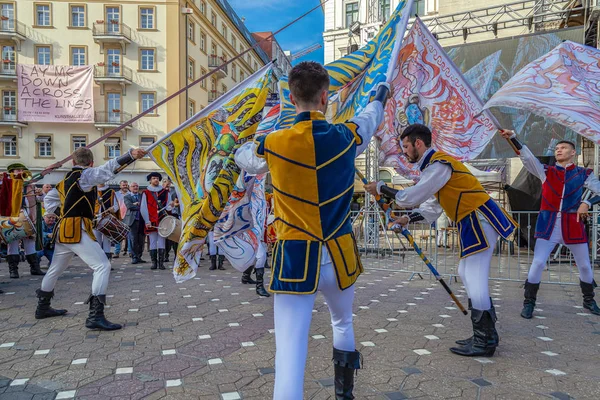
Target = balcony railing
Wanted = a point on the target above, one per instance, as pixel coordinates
(111, 29)
(213, 95)
(111, 117)
(215, 61)
(8, 69)
(117, 72)
(10, 115)
(12, 26)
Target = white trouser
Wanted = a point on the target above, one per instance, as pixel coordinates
(103, 240)
(261, 255)
(90, 252)
(213, 248)
(543, 248)
(442, 237)
(474, 270)
(293, 314)
(156, 241)
(28, 244)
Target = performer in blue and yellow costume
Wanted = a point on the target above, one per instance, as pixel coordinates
(446, 184)
(312, 170)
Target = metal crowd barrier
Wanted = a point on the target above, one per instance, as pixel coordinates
(382, 249)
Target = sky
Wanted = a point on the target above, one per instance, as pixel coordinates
(271, 15)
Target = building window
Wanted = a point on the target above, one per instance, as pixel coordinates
(233, 41)
(191, 108)
(147, 18)
(234, 72)
(43, 55)
(9, 60)
(147, 141)
(10, 145)
(213, 84)
(42, 15)
(418, 8)
(255, 66)
(203, 81)
(213, 19)
(44, 145)
(384, 9)
(242, 75)
(78, 141)
(203, 7)
(77, 16)
(249, 58)
(191, 69)
(351, 14)
(147, 60)
(224, 30)
(203, 41)
(113, 147)
(9, 105)
(223, 89)
(147, 101)
(191, 33)
(213, 49)
(78, 56)
(385, 176)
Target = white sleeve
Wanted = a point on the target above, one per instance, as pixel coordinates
(95, 176)
(144, 209)
(593, 184)
(115, 203)
(368, 121)
(433, 178)
(430, 210)
(532, 164)
(246, 159)
(52, 201)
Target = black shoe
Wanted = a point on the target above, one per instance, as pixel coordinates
(116, 255)
(34, 264)
(96, 319)
(213, 263)
(588, 297)
(484, 335)
(142, 261)
(161, 259)
(531, 290)
(468, 341)
(345, 364)
(135, 262)
(43, 309)
(153, 257)
(260, 285)
(247, 277)
(13, 265)
(221, 261)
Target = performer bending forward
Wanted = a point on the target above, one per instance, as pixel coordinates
(312, 170)
(480, 221)
(558, 223)
(75, 196)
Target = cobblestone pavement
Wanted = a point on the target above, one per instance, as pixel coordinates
(212, 338)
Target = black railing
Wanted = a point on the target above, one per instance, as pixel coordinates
(9, 25)
(213, 95)
(111, 28)
(9, 114)
(113, 71)
(115, 117)
(217, 62)
(8, 69)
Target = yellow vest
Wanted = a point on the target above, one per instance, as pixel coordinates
(463, 193)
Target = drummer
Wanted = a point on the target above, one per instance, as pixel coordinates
(106, 204)
(14, 203)
(154, 207)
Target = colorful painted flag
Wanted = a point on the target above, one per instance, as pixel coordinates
(198, 157)
(563, 85)
(427, 88)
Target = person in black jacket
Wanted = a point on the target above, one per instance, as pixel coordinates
(133, 219)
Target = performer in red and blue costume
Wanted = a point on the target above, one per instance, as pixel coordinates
(559, 222)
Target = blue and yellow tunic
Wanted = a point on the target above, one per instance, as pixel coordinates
(464, 200)
(312, 170)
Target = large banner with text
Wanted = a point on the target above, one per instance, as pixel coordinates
(55, 93)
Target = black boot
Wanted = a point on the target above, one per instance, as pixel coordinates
(34, 264)
(464, 342)
(13, 265)
(43, 309)
(153, 258)
(247, 277)
(531, 290)
(213, 263)
(484, 331)
(588, 297)
(161, 258)
(221, 261)
(96, 319)
(260, 283)
(345, 363)
(468, 341)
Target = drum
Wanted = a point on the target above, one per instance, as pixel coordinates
(170, 228)
(16, 228)
(111, 227)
